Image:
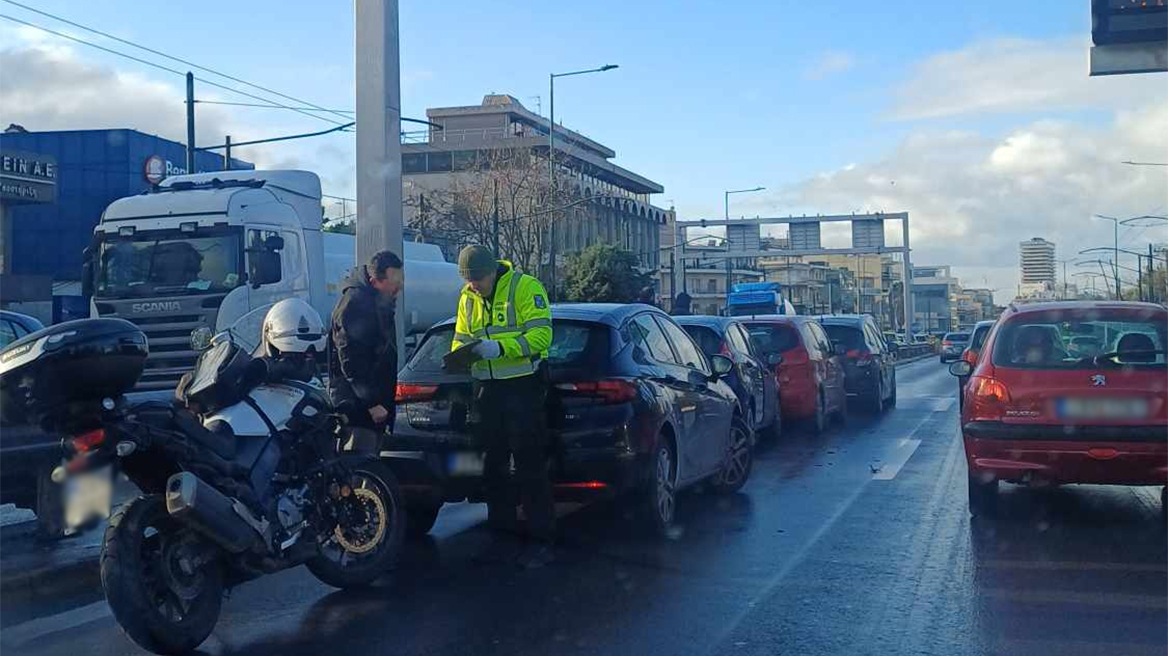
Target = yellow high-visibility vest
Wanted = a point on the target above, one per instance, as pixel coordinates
(519, 317)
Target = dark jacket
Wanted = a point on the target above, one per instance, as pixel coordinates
(363, 353)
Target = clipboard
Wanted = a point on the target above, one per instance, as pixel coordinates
(460, 359)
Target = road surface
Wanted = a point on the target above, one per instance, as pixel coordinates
(854, 542)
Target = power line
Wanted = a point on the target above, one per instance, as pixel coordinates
(271, 103)
(239, 104)
(177, 59)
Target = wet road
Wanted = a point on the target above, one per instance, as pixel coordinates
(854, 542)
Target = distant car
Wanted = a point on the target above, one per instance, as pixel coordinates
(14, 325)
(1036, 413)
(952, 345)
(635, 411)
(972, 351)
(811, 374)
(869, 362)
(753, 377)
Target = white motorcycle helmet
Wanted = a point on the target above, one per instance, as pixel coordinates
(292, 326)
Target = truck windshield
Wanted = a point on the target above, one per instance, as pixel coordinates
(169, 263)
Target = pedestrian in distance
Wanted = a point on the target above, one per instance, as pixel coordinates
(504, 316)
(363, 356)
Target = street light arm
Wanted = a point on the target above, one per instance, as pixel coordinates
(606, 67)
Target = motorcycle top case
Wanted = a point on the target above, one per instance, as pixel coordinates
(75, 361)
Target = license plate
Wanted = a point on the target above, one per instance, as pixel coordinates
(1103, 408)
(87, 496)
(465, 463)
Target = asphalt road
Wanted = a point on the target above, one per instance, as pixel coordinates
(854, 542)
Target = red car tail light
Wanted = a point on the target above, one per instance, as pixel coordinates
(407, 393)
(989, 398)
(861, 356)
(946, 343)
(608, 391)
(88, 441)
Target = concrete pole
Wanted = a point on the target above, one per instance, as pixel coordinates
(190, 122)
(379, 189)
(908, 297)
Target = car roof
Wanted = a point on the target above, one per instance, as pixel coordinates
(707, 320)
(984, 324)
(611, 314)
(776, 318)
(23, 319)
(1047, 306)
(853, 320)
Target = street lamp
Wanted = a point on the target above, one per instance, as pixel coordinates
(552, 161)
(737, 191)
(1116, 249)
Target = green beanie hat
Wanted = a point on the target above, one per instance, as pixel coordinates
(476, 262)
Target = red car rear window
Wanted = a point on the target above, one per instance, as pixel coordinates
(1083, 338)
(772, 338)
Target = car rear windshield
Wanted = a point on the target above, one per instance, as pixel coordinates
(1087, 338)
(956, 337)
(573, 342)
(709, 340)
(979, 337)
(851, 338)
(772, 338)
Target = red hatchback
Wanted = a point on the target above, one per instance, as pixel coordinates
(811, 374)
(1038, 410)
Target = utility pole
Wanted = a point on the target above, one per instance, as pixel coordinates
(378, 82)
(729, 278)
(496, 219)
(227, 155)
(1153, 295)
(190, 122)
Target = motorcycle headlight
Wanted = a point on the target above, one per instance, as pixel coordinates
(201, 338)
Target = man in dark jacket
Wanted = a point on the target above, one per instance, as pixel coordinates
(363, 358)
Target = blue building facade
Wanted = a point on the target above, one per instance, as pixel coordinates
(93, 168)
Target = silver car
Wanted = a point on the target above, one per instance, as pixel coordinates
(952, 346)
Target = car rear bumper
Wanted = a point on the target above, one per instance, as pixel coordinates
(1117, 455)
(861, 381)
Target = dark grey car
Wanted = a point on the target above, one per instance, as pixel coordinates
(753, 377)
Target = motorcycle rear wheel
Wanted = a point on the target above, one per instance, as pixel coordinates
(163, 583)
(366, 543)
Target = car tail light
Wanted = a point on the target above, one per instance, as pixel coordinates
(88, 441)
(862, 357)
(608, 391)
(407, 392)
(946, 343)
(989, 398)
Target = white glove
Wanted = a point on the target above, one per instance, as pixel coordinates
(488, 349)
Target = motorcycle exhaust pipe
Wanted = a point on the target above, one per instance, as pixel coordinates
(200, 506)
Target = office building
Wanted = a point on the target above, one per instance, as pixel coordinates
(934, 291)
(1036, 261)
(451, 172)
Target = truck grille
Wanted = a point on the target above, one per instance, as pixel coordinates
(170, 350)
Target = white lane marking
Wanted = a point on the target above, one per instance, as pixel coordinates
(890, 468)
(32, 630)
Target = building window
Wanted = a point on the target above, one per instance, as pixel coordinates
(414, 163)
(440, 161)
(712, 286)
(465, 160)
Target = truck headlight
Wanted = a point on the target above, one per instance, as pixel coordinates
(201, 338)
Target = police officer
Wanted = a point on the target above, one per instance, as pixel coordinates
(509, 312)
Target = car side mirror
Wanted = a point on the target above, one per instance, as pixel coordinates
(961, 368)
(697, 379)
(774, 359)
(722, 366)
(87, 277)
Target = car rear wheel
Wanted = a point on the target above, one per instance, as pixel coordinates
(661, 499)
(739, 460)
(775, 430)
(983, 497)
(819, 421)
(876, 403)
(892, 396)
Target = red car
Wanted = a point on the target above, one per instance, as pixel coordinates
(1039, 411)
(810, 373)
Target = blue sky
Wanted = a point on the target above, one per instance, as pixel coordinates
(708, 96)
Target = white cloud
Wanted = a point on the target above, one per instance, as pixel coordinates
(829, 63)
(57, 89)
(971, 198)
(1016, 75)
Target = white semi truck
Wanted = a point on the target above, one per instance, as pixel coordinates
(200, 252)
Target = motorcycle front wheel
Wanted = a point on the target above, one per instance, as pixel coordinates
(163, 582)
(370, 523)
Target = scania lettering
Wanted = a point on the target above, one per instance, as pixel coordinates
(198, 252)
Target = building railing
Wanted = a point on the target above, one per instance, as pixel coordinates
(465, 134)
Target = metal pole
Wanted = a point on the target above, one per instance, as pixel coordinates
(496, 220)
(681, 244)
(1064, 280)
(552, 183)
(1154, 293)
(190, 122)
(1140, 276)
(379, 189)
(227, 155)
(729, 279)
(726, 205)
(908, 298)
(1115, 263)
